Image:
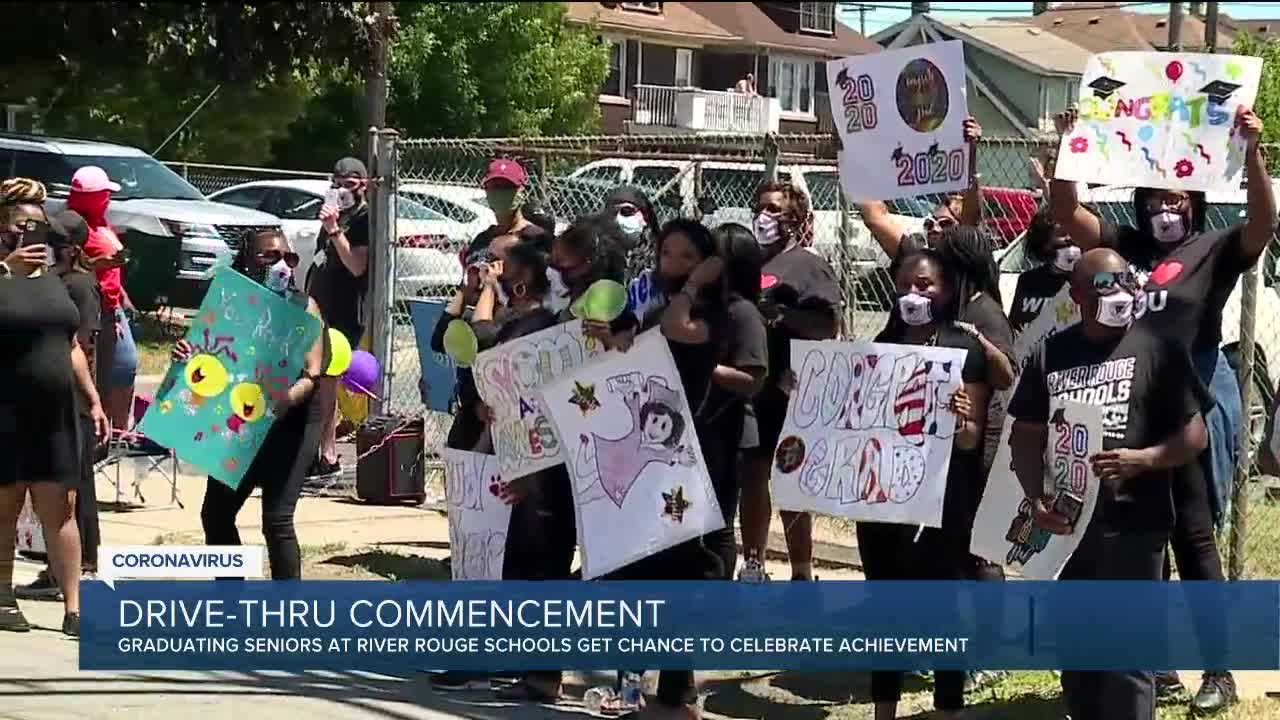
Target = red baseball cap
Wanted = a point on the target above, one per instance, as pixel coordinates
(92, 179)
(506, 170)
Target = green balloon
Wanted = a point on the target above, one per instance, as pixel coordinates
(604, 301)
(460, 343)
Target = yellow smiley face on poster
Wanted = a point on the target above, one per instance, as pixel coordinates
(247, 402)
(205, 375)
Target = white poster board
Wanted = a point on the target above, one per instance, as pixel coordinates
(1004, 532)
(30, 534)
(508, 377)
(868, 432)
(640, 482)
(900, 115)
(1160, 119)
(478, 515)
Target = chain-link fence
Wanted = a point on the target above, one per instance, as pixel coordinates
(440, 208)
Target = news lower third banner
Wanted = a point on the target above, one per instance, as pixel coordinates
(390, 626)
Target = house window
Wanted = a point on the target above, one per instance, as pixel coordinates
(1073, 92)
(684, 67)
(818, 17)
(791, 81)
(616, 83)
(649, 7)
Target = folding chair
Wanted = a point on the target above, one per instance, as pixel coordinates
(145, 457)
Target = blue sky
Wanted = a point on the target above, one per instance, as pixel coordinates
(888, 13)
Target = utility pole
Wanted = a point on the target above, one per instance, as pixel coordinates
(1211, 28)
(919, 8)
(1039, 8)
(381, 26)
(862, 20)
(1175, 26)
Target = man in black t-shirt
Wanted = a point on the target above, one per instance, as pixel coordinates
(337, 282)
(1153, 404)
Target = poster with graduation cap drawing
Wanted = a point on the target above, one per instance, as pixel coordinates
(900, 115)
(639, 479)
(1159, 119)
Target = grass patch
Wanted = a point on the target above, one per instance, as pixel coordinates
(154, 336)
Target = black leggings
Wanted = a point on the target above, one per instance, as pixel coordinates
(1195, 549)
(540, 540)
(87, 501)
(891, 552)
(279, 469)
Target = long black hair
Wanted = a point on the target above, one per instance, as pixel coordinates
(1040, 236)
(968, 254)
(742, 260)
(530, 256)
(597, 240)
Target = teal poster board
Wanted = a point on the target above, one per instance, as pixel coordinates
(215, 409)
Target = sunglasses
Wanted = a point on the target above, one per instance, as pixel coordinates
(271, 257)
(348, 183)
(1106, 283)
(939, 224)
(626, 209)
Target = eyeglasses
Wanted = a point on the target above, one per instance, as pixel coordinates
(271, 257)
(1106, 283)
(939, 224)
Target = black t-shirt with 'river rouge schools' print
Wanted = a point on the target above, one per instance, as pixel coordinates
(1186, 290)
(1147, 390)
(1036, 290)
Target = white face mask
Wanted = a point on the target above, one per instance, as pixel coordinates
(1115, 310)
(1168, 226)
(1066, 257)
(631, 225)
(766, 227)
(915, 309)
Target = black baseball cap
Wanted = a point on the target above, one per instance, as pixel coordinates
(70, 227)
(350, 167)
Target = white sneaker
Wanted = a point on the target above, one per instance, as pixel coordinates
(752, 572)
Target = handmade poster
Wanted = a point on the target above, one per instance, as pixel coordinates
(868, 432)
(640, 482)
(900, 115)
(438, 373)
(478, 515)
(215, 409)
(1160, 119)
(508, 378)
(1004, 532)
(1059, 313)
(30, 536)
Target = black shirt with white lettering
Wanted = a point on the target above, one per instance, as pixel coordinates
(1036, 290)
(1186, 289)
(1147, 389)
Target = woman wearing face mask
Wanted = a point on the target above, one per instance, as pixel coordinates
(44, 368)
(281, 465)
(1048, 245)
(118, 356)
(1192, 274)
(542, 531)
(635, 217)
(592, 249)
(694, 323)
(67, 236)
(800, 300)
(926, 306)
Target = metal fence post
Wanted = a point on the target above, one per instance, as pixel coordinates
(1240, 491)
(382, 262)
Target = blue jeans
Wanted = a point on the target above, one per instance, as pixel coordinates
(124, 359)
(1223, 422)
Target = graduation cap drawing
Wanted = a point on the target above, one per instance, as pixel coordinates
(1219, 90)
(1104, 86)
(842, 77)
(1059, 417)
(897, 153)
(933, 149)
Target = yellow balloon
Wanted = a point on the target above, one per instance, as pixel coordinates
(460, 343)
(339, 353)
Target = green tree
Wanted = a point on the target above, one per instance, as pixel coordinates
(1267, 104)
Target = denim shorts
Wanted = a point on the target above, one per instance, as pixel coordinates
(124, 359)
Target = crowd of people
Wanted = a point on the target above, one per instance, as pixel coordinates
(728, 300)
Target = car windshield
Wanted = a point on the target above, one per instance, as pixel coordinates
(411, 210)
(139, 177)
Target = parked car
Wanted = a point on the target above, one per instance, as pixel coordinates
(1006, 212)
(461, 204)
(175, 235)
(427, 242)
(1224, 210)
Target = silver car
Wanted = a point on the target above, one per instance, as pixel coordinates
(176, 236)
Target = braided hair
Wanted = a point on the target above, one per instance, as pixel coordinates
(968, 254)
(21, 191)
(797, 223)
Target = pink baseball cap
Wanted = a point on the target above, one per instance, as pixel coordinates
(505, 169)
(92, 179)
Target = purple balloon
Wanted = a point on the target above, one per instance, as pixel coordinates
(362, 375)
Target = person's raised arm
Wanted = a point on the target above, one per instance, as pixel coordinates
(971, 214)
(489, 274)
(1083, 226)
(883, 226)
(677, 321)
(1260, 225)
